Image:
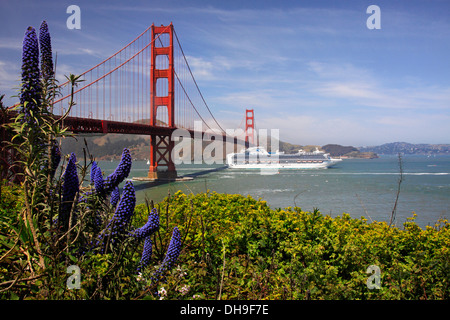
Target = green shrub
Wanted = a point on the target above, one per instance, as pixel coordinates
(293, 254)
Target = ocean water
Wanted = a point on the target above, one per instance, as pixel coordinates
(359, 187)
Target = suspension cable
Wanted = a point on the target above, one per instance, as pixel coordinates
(184, 90)
(195, 82)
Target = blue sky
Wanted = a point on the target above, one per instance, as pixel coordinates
(311, 69)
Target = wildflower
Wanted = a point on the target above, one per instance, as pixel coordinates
(184, 289)
(116, 229)
(98, 180)
(93, 170)
(181, 273)
(46, 52)
(115, 196)
(162, 292)
(69, 192)
(140, 277)
(150, 227)
(125, 208)
(171, 256)
(30, 96)
(119, 222)
(146, 253)
(121, 172)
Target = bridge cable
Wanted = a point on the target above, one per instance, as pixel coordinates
(184, 90)
(195, 82)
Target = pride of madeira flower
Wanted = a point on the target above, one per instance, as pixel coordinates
(69, 192)
(146, 254)
(98, 180)
(149, 228)
(114, 198)
(124, 211)
(121, 172)
(116, 229)
(171, 256)
(46, 52)
(31, 91)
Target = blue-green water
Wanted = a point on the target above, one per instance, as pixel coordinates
(359, 187)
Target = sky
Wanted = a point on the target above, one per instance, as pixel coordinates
(312, 69)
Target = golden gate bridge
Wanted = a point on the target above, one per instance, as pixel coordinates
(145, 88)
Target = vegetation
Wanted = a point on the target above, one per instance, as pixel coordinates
(205, 246)
(337, 150)
(409, 148)
(57, 221)
(236, 247)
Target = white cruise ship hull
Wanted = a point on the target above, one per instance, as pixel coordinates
(323, 165)
(258, 158)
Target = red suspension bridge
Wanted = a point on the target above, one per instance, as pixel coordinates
(145, 88)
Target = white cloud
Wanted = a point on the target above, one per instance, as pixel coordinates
(358, 131)
(358, 86)
(208, 69)
(13, 44)
(9, 81)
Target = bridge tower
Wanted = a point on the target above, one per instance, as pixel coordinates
(161, 146)
(249, 127)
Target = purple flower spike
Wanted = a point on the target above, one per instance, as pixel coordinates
(30, 95)
(93, 170)
(171, 256)
(70, 190)
(115, 196)
(98, 180)
(124, 211)
(146, 254)
(149, 228)
(46, 52)
(121, 172)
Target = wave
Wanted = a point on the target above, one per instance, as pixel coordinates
(265, 191)
(393, 173)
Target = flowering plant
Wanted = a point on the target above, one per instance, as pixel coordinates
(63, 221)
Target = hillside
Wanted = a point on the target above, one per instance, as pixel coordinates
(408, 148)
(110, 146)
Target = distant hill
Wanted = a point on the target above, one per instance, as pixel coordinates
(336, 150)
(408, 148)
(110, 147)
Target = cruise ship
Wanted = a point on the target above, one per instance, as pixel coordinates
(259, 158)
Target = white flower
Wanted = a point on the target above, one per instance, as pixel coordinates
(184, 289)
(162, 292)
(139, 277)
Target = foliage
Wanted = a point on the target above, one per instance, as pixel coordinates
(208, 246)
(64, 219)
(236, 247)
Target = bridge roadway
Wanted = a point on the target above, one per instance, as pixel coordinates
(86, 125)
(89, 125)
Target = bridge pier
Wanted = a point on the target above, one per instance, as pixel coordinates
(161, 146)
(154, 174)
(169, 174)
